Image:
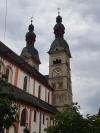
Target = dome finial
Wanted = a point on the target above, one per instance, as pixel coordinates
(59, 28)
(58, 11)
(59, 18)
(30, 36)
(31, 26)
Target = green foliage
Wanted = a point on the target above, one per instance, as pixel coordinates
(71, 121)
(8, 109)
(8, 113)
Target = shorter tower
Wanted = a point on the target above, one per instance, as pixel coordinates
(30, 53)
(59, 67)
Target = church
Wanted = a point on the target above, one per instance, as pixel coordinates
(38, 96)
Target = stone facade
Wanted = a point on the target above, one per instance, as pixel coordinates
(59, 69)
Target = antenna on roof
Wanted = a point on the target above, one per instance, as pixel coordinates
(31, 19)
(5, 27)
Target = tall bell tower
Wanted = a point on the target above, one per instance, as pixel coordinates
(59, 67)
(30, 53)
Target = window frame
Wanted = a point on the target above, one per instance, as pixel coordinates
(25, 83)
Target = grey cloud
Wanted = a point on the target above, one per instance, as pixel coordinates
(81, 19)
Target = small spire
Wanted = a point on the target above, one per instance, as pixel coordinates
(31, 26)
(58, 11)
(30, 36)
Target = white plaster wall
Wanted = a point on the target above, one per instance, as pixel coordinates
(11, 129)
(31, 85)
(35, 125)
(43, 126)
(36, 88)
(43, 93)
(20, 81)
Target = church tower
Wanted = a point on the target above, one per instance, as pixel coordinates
(59, 67)
(30, 53)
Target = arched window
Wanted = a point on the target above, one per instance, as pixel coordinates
(25, 83)
(7, 74)
(24, 116)
(1, 67)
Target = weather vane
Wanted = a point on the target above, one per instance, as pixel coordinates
(31, 19)
(58, 11)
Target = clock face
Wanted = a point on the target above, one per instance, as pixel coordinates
(57, 72)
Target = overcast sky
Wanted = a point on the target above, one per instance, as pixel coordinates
(82, 22)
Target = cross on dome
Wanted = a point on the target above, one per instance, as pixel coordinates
(58, 11)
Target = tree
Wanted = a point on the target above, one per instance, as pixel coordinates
(8, 113)
(8, 109)
(71, 121)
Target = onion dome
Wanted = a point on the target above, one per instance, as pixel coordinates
(30, 53)
(59, 28)
(59, 44)
(30, 36)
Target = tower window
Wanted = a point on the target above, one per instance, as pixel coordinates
(39, 92)
(34, 116)
(57, 61)
(60, 85)
(54, 62)
(25, 83)
(23, 117)
(54, 85)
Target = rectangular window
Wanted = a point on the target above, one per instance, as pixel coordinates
(39, 92)
(34, 116)
(43, 118)
(48, 97)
